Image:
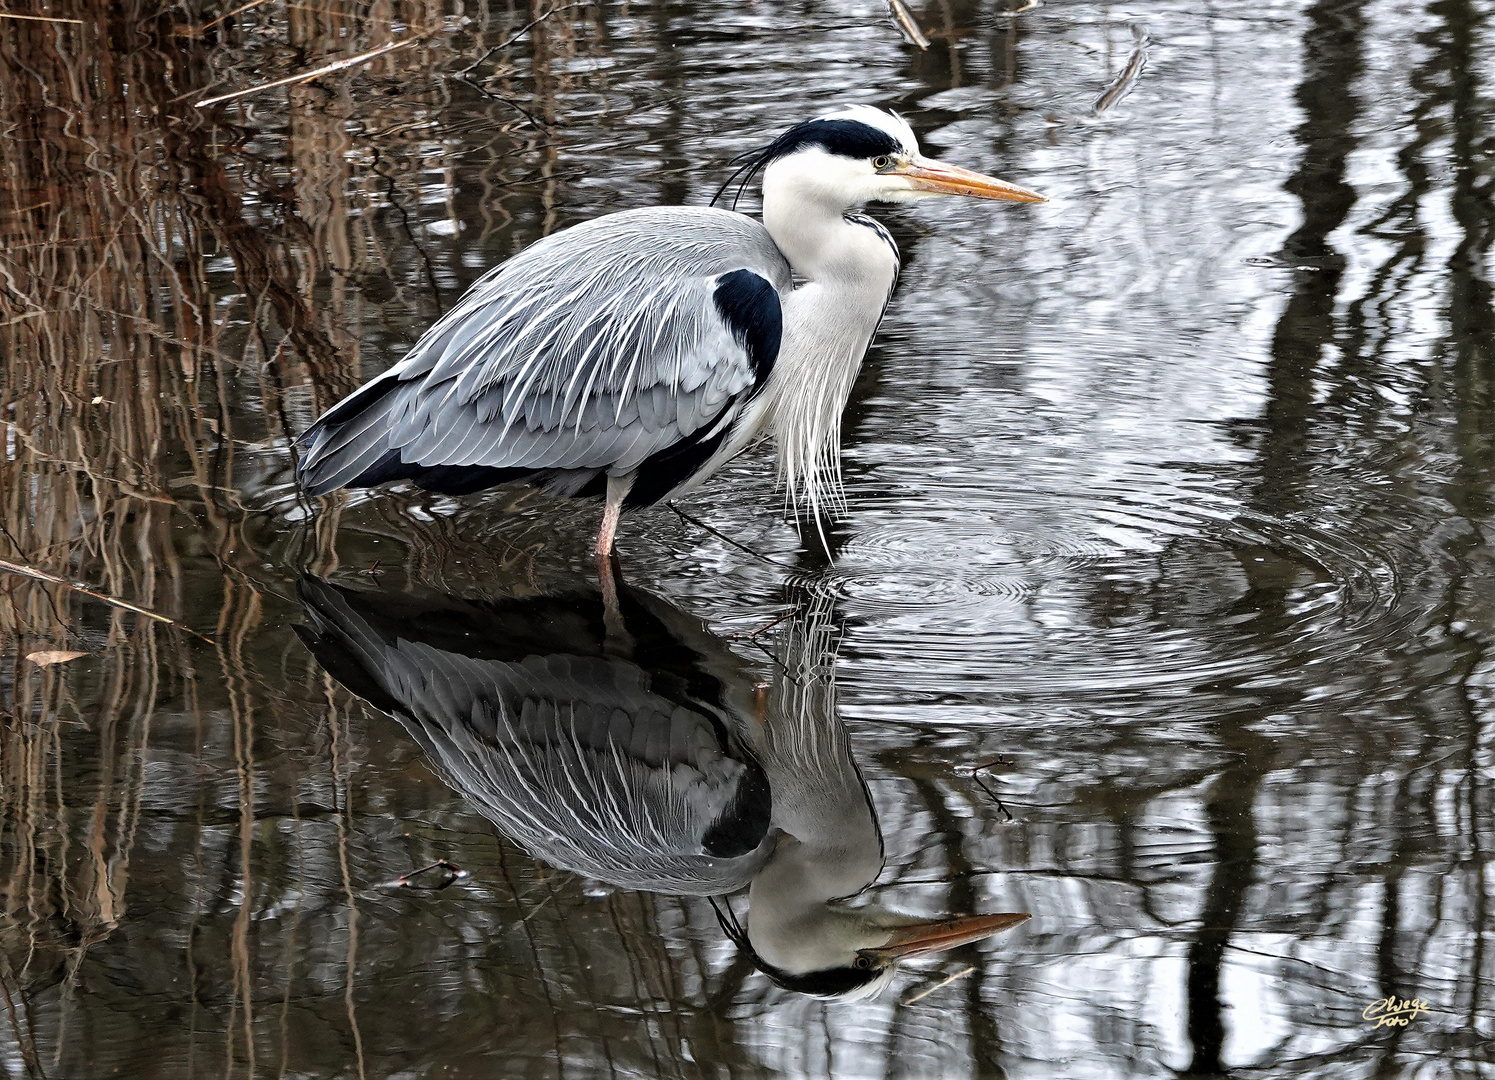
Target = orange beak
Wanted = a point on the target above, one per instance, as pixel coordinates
(921, 939)
(927, 175)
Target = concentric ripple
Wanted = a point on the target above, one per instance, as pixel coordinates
(1088, 595)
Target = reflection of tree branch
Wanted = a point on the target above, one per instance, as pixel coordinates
(510, 102)
(25, 1034)
(1340, 976)
(526, 28)
(390, 194)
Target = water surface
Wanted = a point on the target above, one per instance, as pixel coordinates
(1171, 494)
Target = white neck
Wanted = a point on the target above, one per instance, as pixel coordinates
(828, 845)
(793, 923)
(804, 210)
(849, 270)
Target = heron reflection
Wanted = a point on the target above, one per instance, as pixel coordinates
(629, 744)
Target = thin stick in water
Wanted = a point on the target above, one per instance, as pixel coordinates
(724, 537)
(976, 776)
(1123, 82)
(326, 69)
(52, 579)
(939, 985)
(39, 18)
(526, 28)
(906, 23)
(228, 15)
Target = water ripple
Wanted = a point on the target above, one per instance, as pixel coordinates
(1085, 595)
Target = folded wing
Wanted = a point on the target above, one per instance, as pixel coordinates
(597, 349)
(585, 759)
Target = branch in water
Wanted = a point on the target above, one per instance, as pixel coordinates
(906, 23)
(326, 69)
(52, 579)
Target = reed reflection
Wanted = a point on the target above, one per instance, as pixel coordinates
(629, 744)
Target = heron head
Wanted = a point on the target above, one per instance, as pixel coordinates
(849, 954)
(860, 154)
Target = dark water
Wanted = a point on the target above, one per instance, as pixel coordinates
(1172, 495)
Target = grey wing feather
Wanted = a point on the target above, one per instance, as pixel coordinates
(592, 349)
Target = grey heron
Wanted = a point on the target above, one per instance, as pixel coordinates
(645, 756)
(631, 356)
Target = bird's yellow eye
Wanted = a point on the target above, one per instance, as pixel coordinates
(881, 163)
(863, 962)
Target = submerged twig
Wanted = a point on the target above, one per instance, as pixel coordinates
(725, 538)
(906, 23)
(755, 634)
(454, 872)
(228, 15)
(326, 69)
(1123, 82)
(39, 18)
(52, 579)
(939, 985)
(774, 659)
(517, 34)
(976, 776)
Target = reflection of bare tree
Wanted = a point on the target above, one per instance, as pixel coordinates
(1230, 816)
(1331, 63)
(162, 287)
(1326, 95)
(1467, 396)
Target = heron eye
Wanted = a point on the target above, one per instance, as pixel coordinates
(864, 962)
(881, 163)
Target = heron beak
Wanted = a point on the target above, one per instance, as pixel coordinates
(921, 939)
(926, 175)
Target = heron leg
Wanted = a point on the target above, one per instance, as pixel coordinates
(617, 491)
(618, 641)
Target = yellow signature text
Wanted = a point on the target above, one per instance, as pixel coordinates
(1394, 1012)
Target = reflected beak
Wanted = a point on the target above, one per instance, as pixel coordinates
(921, 939)
(927, 175)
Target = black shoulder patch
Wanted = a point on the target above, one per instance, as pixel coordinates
(844, 138)
(743, 823)
(750, 304)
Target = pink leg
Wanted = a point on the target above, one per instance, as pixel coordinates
(617, 490)
(618, 640)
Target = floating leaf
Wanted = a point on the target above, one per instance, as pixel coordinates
(48, 657)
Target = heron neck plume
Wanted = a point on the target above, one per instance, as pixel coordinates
(849, 266)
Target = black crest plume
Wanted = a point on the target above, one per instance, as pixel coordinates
(844, 138)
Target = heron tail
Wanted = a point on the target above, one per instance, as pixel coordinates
(350, 446)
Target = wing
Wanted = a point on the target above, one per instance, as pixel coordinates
(593, 349)
(576, 755)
